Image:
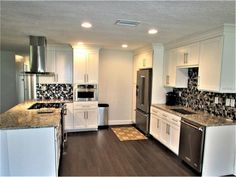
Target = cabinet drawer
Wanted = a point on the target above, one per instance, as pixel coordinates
(86, 105)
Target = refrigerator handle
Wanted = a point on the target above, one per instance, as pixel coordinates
(137, 90)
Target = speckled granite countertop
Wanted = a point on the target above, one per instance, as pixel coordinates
(201, 118)
(20, 117)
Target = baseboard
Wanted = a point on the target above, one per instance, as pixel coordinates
(120, 122)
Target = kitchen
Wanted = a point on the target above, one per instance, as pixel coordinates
(189, 54)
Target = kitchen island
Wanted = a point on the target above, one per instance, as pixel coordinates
(30, 140)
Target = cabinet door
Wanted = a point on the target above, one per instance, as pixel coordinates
(171, 74)
(153, 124)
(80, 63)
(165, 133)
(210, 64)
(174, 138)
(155, 127)
(69, 118)
(92, 67)
(188, 55)
(79, 119)
(64, 66)
(92, 118)
(49, 67)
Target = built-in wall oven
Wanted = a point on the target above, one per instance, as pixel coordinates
(86, 92)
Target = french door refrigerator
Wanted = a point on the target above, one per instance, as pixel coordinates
(143, 99)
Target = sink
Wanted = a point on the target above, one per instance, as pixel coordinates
(182, 111)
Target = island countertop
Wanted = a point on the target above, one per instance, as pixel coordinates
(21, 117)
(199, 117)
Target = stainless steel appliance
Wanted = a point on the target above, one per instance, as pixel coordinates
(86, 92)
(103, 115)
(192, 144)
(143, 99)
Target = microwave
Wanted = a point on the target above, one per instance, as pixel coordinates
(86, 92)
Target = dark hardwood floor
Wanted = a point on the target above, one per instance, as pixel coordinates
(102, 154)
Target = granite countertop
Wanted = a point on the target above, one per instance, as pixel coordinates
(201, 118)
(20, 117)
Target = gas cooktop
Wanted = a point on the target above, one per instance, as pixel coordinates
(46, 105)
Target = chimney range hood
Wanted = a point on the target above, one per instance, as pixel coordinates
(38, 51)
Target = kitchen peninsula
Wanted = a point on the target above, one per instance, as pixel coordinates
(31, 139)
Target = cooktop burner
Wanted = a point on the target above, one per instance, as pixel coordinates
(46, 105)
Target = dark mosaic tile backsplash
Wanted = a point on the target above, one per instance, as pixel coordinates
(55, 91)
(204, 101)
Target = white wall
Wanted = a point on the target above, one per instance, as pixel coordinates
(115, 84)
(8, 81)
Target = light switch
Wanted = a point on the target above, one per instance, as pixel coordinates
(227, 102)
(216, 100)
(232, 102)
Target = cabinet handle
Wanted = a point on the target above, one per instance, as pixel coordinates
(186, 58)
(87, 114)
(158, 123)
(167, 129)
(84, 78)
(56, 78)
(84, 116)
(167, 79)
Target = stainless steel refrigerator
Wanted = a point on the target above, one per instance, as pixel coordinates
(143, 99)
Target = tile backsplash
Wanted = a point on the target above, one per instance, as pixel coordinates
(205, 101)
(55, 91)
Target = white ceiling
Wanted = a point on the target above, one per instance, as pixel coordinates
(60, 21)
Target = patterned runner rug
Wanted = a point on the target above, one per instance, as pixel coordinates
(128, 133)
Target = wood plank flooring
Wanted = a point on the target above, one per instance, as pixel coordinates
(102, 154)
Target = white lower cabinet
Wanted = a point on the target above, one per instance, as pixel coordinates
(81, 116)
(165, 127)
(69, 117)
(30, 151)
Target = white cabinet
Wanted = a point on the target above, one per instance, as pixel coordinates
(30, 151)
(85, 65)
(188, 56)
(155, 126)
(165, 127)
(85, 116)
(165, 132)
(79, 119)
(58, 61)
(217, 64)
(173, 76)
(69, 117)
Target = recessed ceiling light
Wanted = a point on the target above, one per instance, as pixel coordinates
(80, 43)
(152, 31)
(86, 25)
(124, 45)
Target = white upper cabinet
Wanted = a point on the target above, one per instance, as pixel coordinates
(173, 76)
(217, 64)
(58, 61)
(86, 63)
(188, 56)
(213, 52)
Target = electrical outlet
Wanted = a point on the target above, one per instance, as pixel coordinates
(216, 100)
(232, 102)
(227, 102)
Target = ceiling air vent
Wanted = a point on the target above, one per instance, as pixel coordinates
(130, 23)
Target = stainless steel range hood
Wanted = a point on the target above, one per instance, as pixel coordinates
(37, 56)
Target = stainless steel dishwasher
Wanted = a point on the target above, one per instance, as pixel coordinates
(192, 144)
